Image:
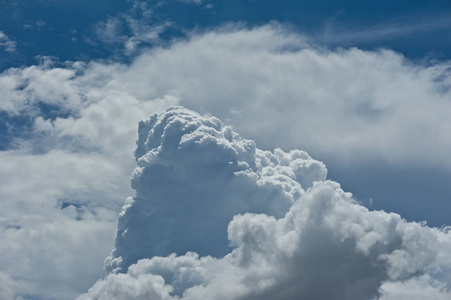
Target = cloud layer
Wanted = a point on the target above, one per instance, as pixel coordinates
(360, 104)
(293, 233)
(68, 130)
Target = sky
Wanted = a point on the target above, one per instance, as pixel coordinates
(266, 143)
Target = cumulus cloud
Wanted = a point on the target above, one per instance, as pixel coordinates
(66, 178)
(293, 234)
(201, 174)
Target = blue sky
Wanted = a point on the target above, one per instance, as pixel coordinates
(362, 86)
(66, 29)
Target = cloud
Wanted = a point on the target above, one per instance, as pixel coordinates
(128, 30)
(53, 206)
(196, 2)
(6, 289)
(335, 34)
(63, 184)
(7, 43)
(40, 23)
(416, 288)
(65, 177)
(360, 104)
(293, 233)
(25, 88)
(195, 165)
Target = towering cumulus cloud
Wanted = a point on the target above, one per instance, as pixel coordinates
(214, 217)
(194, 175)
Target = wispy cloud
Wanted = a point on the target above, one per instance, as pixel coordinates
(337, 34)
(197, 2)
(127, 30)
(6, 43)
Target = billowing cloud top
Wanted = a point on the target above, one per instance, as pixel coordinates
(214, 217)
(194, 175)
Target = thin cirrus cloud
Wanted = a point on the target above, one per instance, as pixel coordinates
(267, 83)
(293, 233)
(335, 33)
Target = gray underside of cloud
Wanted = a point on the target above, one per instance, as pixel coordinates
(214, 217)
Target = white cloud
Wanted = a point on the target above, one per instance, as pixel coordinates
(336, 34)
(195, 165)
(418, 288)
(193, 172)
(24, 88)
(7, 43)
(267, 82)
(63, 186)
(55, 205)
(360, 104)
(196, 2)
(273, 87)
(131, 28)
